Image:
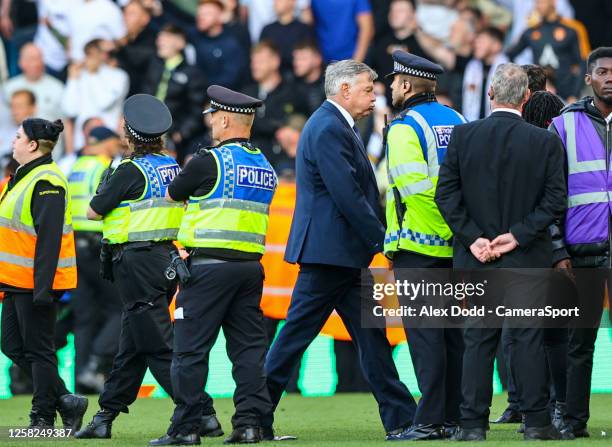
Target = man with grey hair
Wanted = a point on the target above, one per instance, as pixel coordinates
(500, 187)
(335, 233)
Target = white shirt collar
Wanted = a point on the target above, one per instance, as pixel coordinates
(504, 109)
(347, 116)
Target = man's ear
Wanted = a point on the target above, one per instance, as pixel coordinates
(491, 94)
(408, 86)
(588, 80)
(346, 90)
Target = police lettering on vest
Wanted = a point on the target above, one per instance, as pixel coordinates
(256, 177)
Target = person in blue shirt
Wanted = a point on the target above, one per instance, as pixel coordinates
(344, 28)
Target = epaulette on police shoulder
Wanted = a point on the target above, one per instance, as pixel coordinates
(203, 150)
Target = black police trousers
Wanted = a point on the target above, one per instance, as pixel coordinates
(96, 305)
(146, 329)
(220, 295)
(27, 339)
(437, 353)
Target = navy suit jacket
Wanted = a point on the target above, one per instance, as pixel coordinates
(337, 218)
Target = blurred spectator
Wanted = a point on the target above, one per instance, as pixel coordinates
(308, 70)
(597, 17)
(554, 43)
(488, 55)
(93, 19)
(218, 52)
(286, 31)
(288, 137)
(344, 28)
(18, 22)
(52, 34)
(261, 13)
(487, 13)
(179, 84)
(137, 48)
(523, 14)
(47, 89)
(402, 22)
(234, 24)
(94, 89)
(380, 13)
(279, 100)
(436, 18)
(537, 77)
(22, 106)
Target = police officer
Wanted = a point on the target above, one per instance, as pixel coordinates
(228, 189)
(37, 264)
(417, 236)
(139, 227)
(95, 303)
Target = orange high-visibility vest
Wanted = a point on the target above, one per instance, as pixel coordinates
(280, 275)
(18, 235)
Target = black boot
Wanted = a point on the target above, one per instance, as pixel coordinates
(547, 433)
(39, 421)
(469, 434)
(509, 416)
(176, 439)
(72, 408)
(100, 427)
(210, 426)
(419, 432)
(244, 435)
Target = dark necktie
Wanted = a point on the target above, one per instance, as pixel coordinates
(356, 129)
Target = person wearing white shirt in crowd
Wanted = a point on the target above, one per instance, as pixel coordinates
(47, 89)
(93, 19)
(52, 32)
(22, 106)
(94, 89)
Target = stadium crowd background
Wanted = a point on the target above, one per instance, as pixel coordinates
(79, 59)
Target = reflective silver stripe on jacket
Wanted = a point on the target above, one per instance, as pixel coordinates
(29, 263)
(573, 165)
(235, 204)
(230, 235)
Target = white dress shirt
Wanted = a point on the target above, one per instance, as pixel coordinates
(347, 116)
(504, 109)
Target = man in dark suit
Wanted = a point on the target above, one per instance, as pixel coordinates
(336, 230)
(500, 187)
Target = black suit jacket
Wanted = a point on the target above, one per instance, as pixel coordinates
(501, 174)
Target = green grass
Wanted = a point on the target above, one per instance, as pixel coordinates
(341, 420)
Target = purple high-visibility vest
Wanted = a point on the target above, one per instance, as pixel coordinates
(589, 184)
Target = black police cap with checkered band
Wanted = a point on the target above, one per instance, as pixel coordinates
(146, 117)
(222, 98)
(413, 65)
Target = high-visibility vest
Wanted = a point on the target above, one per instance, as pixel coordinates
(150, 217)
(83, 182)
(416, 146)
(234, 215)
(280, 275)
(18, 235)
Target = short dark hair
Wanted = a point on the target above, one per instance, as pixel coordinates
(595, 55)
(28, 93)
(95, 44)
(494, 33)
(266, 44)
(541, 108)
(307, 44)
(537, 77)
(175, 30)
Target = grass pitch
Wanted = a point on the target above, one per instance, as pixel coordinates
(341, 420)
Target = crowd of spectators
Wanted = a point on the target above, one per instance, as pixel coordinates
(79, 59)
